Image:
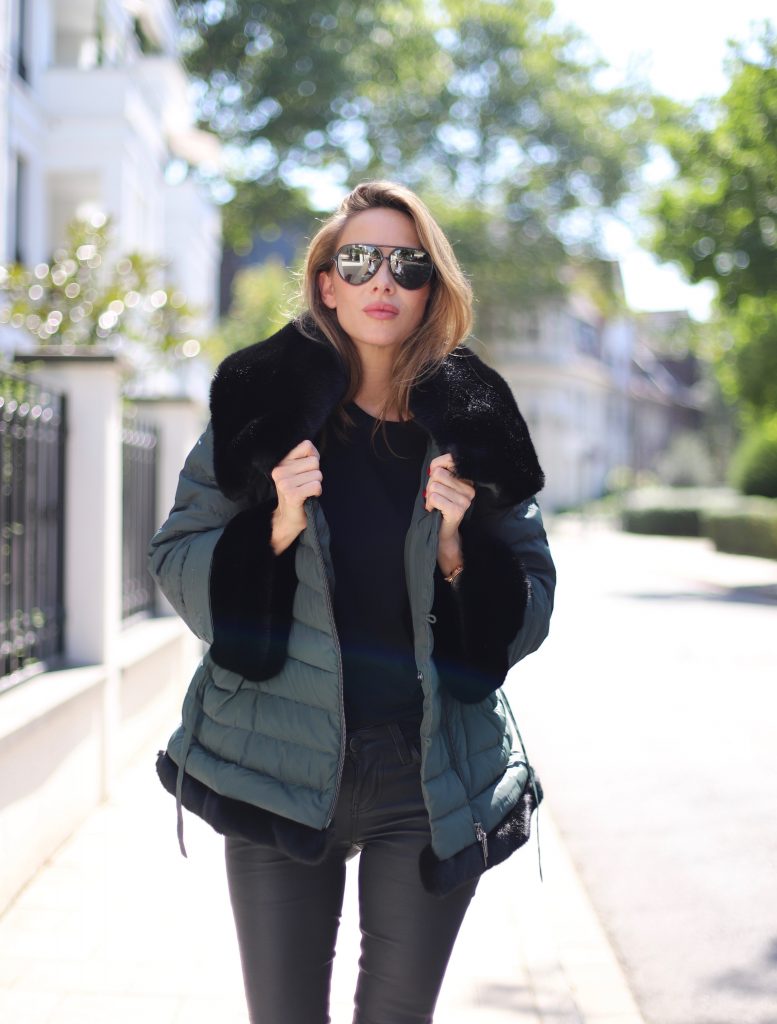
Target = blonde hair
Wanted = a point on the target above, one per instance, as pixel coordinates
(448, 316)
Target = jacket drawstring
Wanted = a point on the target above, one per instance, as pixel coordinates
(530, 770)
(187, 742)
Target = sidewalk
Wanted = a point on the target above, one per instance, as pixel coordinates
(108, 932)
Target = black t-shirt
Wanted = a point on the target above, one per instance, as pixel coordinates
(368, 495)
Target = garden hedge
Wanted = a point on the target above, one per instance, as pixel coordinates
(751, 530)
(736, 524)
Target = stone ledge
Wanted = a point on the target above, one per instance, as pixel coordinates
(40, 695)
(146, 637)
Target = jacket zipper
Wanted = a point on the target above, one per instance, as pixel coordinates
(330, 610)
(482, 837)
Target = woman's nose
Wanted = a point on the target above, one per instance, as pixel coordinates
(383, 278)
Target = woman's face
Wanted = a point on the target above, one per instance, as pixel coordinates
(379, 313)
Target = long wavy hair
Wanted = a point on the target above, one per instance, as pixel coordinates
(448, 316)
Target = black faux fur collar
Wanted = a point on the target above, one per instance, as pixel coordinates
(268, 397)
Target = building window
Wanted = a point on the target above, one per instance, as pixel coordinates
(18, 240)
(19, 38)
(588, 340)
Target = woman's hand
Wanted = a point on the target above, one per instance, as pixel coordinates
(452, 496)
(297, 477)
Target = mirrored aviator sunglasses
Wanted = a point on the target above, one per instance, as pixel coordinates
(357, 263)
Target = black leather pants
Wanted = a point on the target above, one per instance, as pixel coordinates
(287, 913)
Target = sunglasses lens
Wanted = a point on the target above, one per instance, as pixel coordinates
(411, 268)
(358, 263)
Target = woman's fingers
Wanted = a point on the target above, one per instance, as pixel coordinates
(295, 467)
(446, 491)
(303, 449)
(297, 476)
(442, 478)
(447, 499)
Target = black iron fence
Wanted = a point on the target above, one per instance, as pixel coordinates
(139, 450)
(32, 453)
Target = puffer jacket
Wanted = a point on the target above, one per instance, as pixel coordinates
(261, 745)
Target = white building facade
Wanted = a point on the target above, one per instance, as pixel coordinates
(97, 117)
(570, 369)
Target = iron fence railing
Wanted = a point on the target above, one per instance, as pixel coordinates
(139, 469)
(32, 476)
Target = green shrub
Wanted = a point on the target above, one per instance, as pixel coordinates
(750, 530)
(672, 511)
(754, 464)
(670, 522)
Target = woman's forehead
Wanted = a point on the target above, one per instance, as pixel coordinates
(380, 226)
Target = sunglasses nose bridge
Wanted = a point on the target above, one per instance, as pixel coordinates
(383, 273)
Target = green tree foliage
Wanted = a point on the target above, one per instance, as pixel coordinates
(262, 300)
(495, 117)
(754, 466)
(743, 344)
(81, 299)
(718, 218)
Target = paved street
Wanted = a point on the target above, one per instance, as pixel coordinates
(651, 716)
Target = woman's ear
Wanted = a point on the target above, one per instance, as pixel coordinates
(327, 289)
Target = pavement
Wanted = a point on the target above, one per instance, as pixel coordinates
(107, 931)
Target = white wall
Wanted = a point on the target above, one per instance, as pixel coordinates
(66, 734)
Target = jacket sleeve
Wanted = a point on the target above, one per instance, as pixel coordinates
(213, 560)
(498, 610)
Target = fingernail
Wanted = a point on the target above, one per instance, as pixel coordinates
(429, 471)
(424, 492)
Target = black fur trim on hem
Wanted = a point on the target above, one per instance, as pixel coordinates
(231, 817)
(251, 596)
(478, 615)
(441, 877)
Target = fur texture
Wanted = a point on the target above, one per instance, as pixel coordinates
(251, 596)
(478, 615)
(268, 397)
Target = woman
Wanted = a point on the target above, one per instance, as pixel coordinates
(355, 536)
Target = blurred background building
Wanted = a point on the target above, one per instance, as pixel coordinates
(97, 118)
(599, 393)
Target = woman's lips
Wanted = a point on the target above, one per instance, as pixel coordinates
(381, 312)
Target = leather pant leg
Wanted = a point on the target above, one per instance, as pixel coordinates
(287, 913)
(407, 934)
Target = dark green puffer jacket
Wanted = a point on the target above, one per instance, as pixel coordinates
(261, 745)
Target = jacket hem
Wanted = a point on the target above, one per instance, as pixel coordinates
(230, 817)
(441, 877)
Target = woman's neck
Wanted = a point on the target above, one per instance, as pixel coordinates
(375, 383)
